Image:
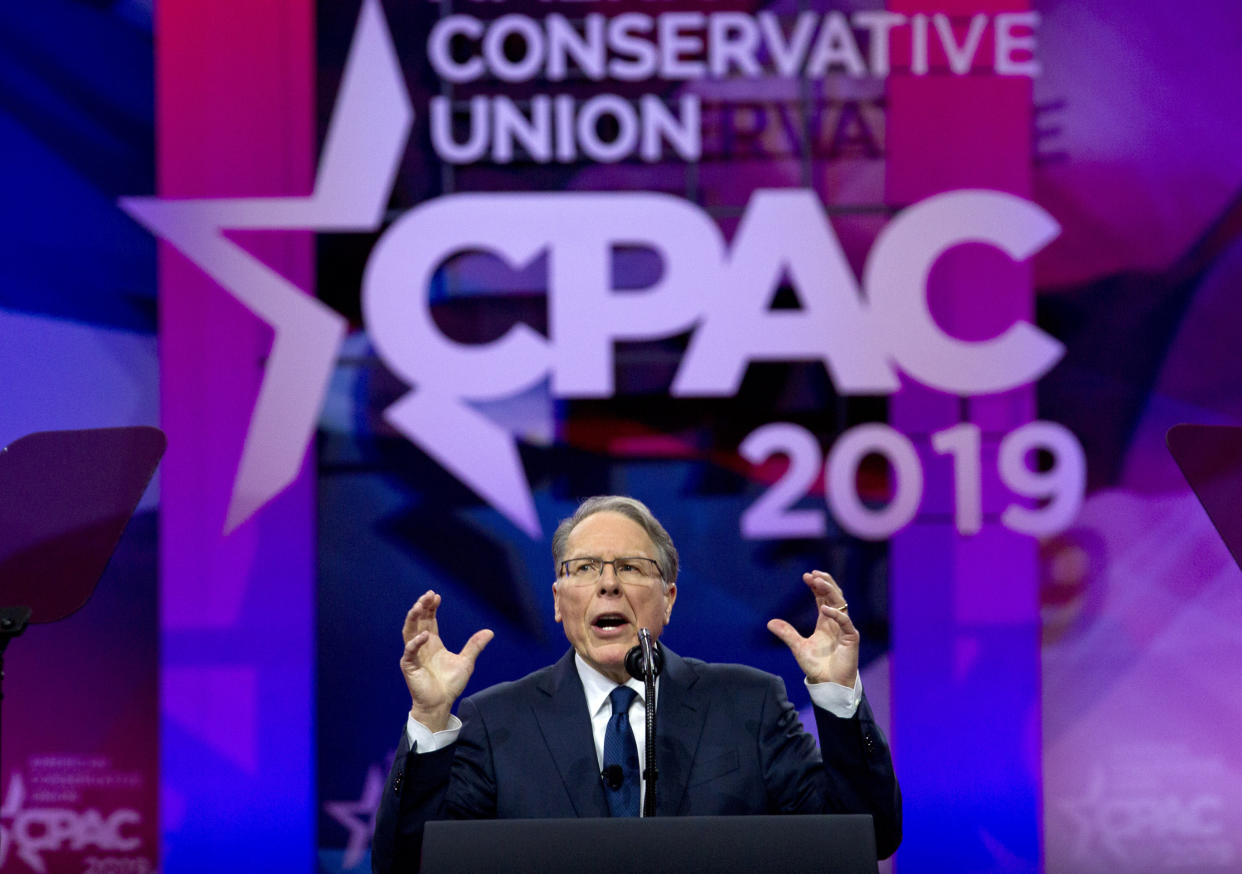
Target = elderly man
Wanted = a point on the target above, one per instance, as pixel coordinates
(729, 741)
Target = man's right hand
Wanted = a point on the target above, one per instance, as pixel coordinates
(435, 676)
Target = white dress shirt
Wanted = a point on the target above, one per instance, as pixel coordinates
(597, 688)
(838, 700)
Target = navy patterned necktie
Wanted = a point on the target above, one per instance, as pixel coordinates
(621, 750)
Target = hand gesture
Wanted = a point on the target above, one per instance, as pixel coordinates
(434, 675)
(830, 653)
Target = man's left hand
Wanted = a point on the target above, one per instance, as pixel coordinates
(830, 653)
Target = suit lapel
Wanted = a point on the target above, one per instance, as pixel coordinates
(561, 712)
(679, 726)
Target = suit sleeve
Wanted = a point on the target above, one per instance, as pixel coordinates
(472, 787)
(859, 772)
(413, 794)
(455, 782)
(854, 776)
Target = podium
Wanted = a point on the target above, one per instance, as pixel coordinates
(838, 844)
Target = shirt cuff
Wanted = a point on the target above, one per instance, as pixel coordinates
(838, 700)
(424, 740)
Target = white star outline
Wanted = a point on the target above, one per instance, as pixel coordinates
(369, 127)
(358, 816)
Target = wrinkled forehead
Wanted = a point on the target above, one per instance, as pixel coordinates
(607, 535)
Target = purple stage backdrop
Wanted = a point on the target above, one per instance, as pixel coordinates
(908, 291)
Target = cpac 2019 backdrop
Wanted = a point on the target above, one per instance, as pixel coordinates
(908, 291)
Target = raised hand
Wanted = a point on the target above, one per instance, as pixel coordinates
(830, 653)
(434, 675)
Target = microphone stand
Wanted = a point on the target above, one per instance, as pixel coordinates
(644, 662)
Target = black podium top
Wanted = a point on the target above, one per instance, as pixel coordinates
(65, 499)
(842, 844)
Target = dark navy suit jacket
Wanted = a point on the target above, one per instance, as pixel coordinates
(728, 742)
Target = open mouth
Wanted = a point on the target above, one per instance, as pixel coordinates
(610, 623)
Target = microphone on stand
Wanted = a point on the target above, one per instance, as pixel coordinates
(644, 662)
(636, 663)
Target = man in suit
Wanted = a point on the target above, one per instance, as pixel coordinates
(728, 742)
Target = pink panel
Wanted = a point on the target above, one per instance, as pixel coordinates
(235, 116)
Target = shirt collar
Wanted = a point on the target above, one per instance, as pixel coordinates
(598, 687)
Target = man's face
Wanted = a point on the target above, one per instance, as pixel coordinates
(602, 619)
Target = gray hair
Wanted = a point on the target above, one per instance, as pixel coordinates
(635, 510)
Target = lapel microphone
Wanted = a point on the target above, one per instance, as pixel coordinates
(612, 777)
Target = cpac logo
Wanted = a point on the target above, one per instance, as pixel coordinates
(865, 336)
(1116, 829)
(722, 294)
(29, 832)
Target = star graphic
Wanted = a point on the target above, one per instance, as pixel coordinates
(14, 802)
(366, 138)
(358, 817)
(9, 809)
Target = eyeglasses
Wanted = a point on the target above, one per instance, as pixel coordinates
(629, 570)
